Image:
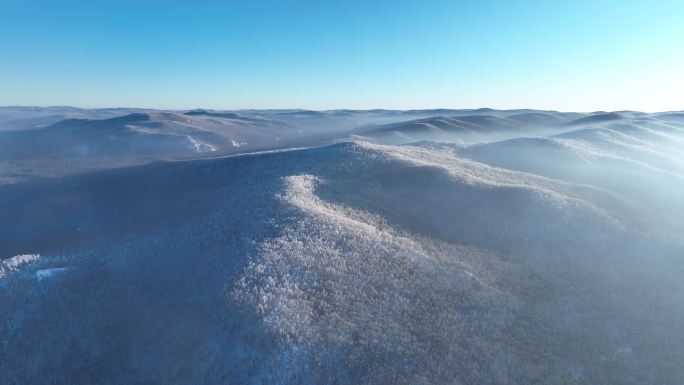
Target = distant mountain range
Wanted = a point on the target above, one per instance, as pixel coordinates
(44, 141)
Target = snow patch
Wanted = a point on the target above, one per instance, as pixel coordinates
(201, 146)
(13, 264)
(47, 273)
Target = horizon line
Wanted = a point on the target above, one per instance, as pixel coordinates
(335, 109)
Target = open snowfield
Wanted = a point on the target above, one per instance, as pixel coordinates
(341, 247)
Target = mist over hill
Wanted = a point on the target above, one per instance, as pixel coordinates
(344, 246)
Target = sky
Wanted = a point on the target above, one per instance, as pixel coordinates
(563, 55)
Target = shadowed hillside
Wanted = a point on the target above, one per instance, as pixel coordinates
(355, 263)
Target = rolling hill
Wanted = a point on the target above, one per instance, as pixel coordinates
(526, 260)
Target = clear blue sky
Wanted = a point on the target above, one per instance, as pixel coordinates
(566, 55)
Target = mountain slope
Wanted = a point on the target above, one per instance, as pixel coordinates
(467, 127)
(354, 263)
(150, 134)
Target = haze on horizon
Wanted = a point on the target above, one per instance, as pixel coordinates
(582, 56)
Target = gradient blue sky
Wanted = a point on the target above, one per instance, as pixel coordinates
(575, 55)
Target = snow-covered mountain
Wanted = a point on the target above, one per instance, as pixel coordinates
(143, 134)
(553, 255)
(467, 126)
(17, 118)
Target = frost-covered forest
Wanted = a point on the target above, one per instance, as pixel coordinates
(384, 247)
